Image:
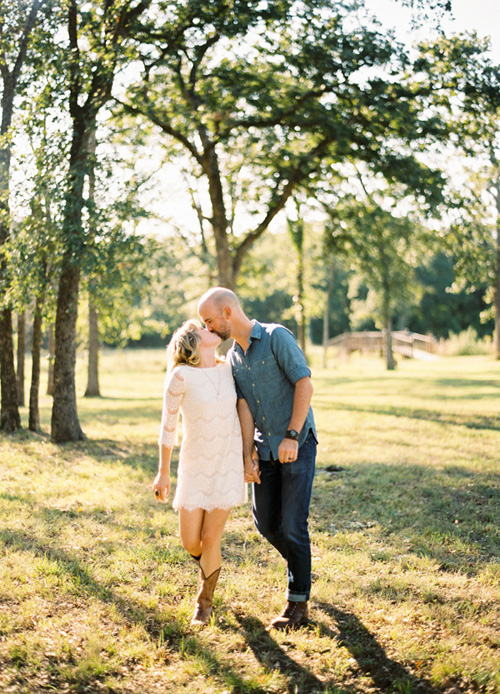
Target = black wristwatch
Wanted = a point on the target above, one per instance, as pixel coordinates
(292, 434)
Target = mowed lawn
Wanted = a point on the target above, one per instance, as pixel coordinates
(96, 592)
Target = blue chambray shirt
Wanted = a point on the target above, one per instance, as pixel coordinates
(265, 375)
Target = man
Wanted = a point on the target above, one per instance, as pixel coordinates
(273, 384)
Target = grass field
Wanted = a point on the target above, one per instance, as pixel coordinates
(96, 592)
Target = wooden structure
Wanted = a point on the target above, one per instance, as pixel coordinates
(405, 343)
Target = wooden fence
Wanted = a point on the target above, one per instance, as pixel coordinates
(403, 342)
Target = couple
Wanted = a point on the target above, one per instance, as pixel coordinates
(256, 403)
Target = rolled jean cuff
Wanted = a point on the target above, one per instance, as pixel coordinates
(297, 597)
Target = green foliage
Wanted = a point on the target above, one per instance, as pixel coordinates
(444, 308)
(259, 99)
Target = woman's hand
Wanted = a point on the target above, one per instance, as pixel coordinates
(251, 467)
(161, 486)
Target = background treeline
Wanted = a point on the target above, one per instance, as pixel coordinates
(294, 151)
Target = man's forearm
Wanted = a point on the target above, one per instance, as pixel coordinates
(301, 403)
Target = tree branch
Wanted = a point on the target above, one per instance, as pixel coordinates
(165, 126)
(23, 44)
(280, 199)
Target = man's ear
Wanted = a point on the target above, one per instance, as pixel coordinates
(226, 312)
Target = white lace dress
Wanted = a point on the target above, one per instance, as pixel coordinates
(210, 473)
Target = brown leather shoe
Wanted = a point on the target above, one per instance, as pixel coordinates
(294, 615)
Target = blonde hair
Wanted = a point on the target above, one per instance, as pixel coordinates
(183, 347)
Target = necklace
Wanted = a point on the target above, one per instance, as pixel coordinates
(216, 387)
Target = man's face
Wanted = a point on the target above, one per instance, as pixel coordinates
(214, 319)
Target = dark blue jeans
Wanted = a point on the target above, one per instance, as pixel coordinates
(281, 509)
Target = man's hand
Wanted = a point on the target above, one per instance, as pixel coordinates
(161, 486)
(288, 451)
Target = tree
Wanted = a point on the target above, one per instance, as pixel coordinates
(98, 37)
(35, 245)
(461, 67)
(17, 22)
(260, 95)
(377, 241)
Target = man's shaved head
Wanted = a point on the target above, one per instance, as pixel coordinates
(219, 297)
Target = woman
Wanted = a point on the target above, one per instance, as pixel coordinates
(210, 478)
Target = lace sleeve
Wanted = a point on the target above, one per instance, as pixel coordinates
(175, 387)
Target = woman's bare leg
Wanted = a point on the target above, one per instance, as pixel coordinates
(211, 536)
(201, 533)
(190, 525)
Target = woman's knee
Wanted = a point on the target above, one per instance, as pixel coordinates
(191, 544)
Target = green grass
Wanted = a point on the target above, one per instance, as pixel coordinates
(96, 592)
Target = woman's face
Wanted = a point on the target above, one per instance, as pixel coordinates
(208, 339)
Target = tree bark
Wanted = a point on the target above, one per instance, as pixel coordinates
(34, 413)
(21, 350)
(65, 424)
(10, 418)
(93, 345)
(51, 357)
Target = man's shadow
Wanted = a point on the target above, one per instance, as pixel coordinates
(387, 674)
(270, 654)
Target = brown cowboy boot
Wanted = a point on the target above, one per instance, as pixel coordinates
(294, 615)
(203, 607)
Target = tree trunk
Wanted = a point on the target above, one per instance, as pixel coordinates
(65, 423)
(326, 313)
(10, 419)
(93, 363)
(301, 314)
(21, 350)
(497, 275)
(389, 355)
(34, 414)
(210, 164)
(93, 336)
(51, 357)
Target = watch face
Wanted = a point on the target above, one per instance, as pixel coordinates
(294, 434)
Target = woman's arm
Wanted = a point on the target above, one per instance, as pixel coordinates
(175, 387)
(161, 485)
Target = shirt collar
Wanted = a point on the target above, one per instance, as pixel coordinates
(256, 333)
